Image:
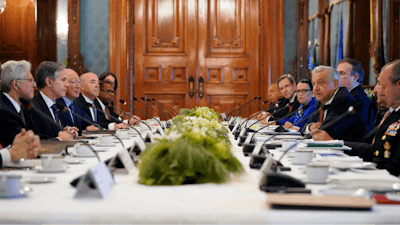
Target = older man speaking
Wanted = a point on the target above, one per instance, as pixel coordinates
(333, 102)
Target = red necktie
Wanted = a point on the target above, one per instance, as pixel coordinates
(321, 116)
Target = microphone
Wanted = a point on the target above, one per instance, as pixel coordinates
(128, 115)
(149, 107)
(132, 107)
(165, 106)
(116, 119)
(239, 107)
(158, 107)
(64, 108)
(238, 129)
(232, 124)
(30, 105)
(278, 179)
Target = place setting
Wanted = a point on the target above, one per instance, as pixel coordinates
(11, 186)
(83, 151)
(51, 163)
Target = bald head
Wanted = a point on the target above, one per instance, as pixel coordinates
(90, 85)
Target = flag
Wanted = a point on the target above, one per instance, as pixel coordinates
(314, 61)
(340, 42)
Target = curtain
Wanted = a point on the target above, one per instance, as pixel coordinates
(339, 12)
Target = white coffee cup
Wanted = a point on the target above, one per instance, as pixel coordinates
(10, 184)
(52, 162)
(82, 149)
(317, 172)
(303, 156)
(122, 133)
(106, 139)
(288, 143)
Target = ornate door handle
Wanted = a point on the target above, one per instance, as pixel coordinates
(201, 88)
(191, 87)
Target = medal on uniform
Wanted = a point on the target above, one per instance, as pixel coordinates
(376, 152)
(392, 129)
(383, 137)
(386, 154)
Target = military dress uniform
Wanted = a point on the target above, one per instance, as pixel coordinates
(385, 150)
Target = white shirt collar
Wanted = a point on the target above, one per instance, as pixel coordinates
(293, 97)
(87, 99)
(15, 104)
(67, 101)
(103, 107)
(396, 109)
(47, 100)
(333, 96)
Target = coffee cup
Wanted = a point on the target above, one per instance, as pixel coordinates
(317, 172)
(10, 184)
(303, 156)
(122, 133)
(52, 162)
(106, 139)
(82, 149)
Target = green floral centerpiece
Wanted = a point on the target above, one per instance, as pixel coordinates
(196, 149)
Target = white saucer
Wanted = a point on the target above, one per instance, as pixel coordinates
(74, 161)
(100, 150)
(296, 163)
(39, 169)
(22, 193)
(316, 182)
(124, 138)
(38, 180)
(83, 155)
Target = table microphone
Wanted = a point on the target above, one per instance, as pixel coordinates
(110, 105)
(167, 107)
(134, 108)
(146, 105)
(230, 114)
(114, 118)
(238, 129)
(29, 105)
(64, 109)
(279, 181)
(152, 103)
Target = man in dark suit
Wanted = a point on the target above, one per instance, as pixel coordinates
(385, 147)
(332, 102)
(351, 76)
(52, 83)
(70, 107)
(90, 90)
(289, 103)
(17, 82)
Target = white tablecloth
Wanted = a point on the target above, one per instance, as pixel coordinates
(238, 201)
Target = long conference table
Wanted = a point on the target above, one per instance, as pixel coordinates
(237, 201)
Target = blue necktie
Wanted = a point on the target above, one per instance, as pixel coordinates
(55, 112)
(71, 107)
(94, 112)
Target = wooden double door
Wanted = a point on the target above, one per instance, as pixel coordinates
(196, 52)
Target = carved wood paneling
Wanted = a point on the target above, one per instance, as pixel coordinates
(46, 36)
(227, 103)
(165, 26)
(17, 29)
(227, 27)
(215, 75)
(179, 74)
(176, 102)
(241, 75)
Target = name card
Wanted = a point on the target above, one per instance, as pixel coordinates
(243, 131)
(236, 126)
(257, 148)
(231, 120)
(248, 139)
(140, 143)
(160, 131)
(126, 160)
(98, 181)
(148, 135)
(223, 116)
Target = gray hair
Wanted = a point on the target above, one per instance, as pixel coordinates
(288, 76)
(333, 74)
(47, 69)
(12, 70)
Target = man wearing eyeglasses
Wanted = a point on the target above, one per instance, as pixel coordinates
(106, 98)
(72, 108)
(333, 101)
(90, 90)
(305, 97)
